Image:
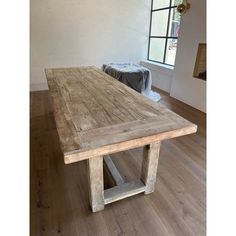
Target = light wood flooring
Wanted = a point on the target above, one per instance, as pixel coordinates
(59, 193)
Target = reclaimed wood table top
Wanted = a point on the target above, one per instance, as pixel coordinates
(96, 115)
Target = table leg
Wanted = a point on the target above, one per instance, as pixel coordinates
(96, 186)
(149, 166)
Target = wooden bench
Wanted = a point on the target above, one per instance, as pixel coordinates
(97, 115)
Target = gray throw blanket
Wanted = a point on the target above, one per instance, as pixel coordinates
(134, 76)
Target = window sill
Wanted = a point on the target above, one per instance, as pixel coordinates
(166, 69)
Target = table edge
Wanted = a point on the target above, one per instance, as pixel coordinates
(79, 155)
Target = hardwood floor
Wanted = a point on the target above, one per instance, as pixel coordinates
(59, 193)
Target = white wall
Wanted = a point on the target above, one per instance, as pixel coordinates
(88, 32)
(161, 74)
(192, 32)
(179, 82)
(85, 32)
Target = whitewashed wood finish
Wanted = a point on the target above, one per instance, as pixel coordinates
(97, 115)
(123, 191)
(115, 174)
(149, 166)
(58, 193)
(96, 186)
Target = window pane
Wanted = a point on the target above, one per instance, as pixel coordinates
(176, 2)
(171, 51)
(174, 23)
(159, 23)
(160, 4)
(157, 48)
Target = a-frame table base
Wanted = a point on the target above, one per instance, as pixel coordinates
(100, 197)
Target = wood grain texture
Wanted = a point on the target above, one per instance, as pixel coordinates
(59, 196)
(97, 115)
(149, 166)
(96, 186)
(115, 174)
(123, 191)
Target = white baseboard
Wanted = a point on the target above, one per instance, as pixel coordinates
(38, 87)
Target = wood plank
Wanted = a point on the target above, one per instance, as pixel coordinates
(95, 113)
(59, 197)
(123, 191)
(113, 170)
(149, 166)
(96, 187)
(87, 152)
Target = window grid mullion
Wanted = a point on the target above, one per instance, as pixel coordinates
(170, 7)
(167, 32)
(161, 62)
(150, 28)
(164, 8)
(164, 37)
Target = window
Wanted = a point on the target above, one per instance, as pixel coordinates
(164, 30)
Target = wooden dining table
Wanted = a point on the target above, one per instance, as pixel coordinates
(96, 115)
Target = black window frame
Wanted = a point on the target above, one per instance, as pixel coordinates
(169, 8)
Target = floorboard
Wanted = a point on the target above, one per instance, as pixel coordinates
(59, 200)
